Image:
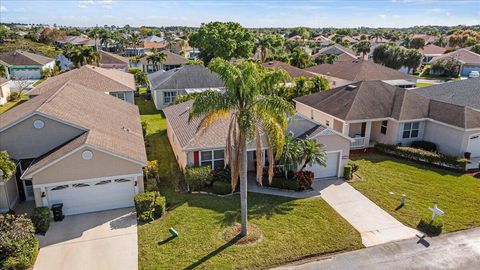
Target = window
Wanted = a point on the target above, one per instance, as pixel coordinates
(383, 127)
(169, 97)
(215, 159)
(119, 95)
(327, 123)
(410, 130)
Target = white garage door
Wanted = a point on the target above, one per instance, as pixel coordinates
(474, 145)
(27, 74)
(331, 170)
(93, 196)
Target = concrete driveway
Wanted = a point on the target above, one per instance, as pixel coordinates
(375, 225)
(100, 240)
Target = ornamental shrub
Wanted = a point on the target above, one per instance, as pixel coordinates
(144, 206)
(221, 187)
(18, 245)
(431, 228)
(348, 172)
(282, 183)
(159, 206)
(304, 178)
(197, 177)
(425, 145)
(41, 219)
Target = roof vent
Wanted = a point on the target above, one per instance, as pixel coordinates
(350, 87)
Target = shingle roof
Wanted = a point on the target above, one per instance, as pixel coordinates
(190, 136)
(336, 49)
(110, 123)
(23, 58)
(463, 55)
(432, 49)
(112, 59)
(294, 72)
(359, 70)
(170, 59)
(100, 79)
(377, 100)
(463, 92)
(189, 76)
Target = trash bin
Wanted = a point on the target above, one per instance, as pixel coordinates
(57, 212)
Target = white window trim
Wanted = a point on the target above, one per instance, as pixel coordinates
(384, 126)
(172, 96)
(411, 130)
(212, 162)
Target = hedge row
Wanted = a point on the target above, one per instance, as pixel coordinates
(149, 205)
(41, 219)
(282, 183)
(417, 154)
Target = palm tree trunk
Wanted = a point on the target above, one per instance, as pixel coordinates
(243, 190)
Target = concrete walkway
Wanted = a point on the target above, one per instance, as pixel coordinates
(375, 225)
(100, 240)
(460, 250)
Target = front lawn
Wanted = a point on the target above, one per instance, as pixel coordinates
(421, 84)
(458, 195)
(7, 106)
(293, 229)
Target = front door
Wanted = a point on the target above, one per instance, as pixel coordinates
(26, 185)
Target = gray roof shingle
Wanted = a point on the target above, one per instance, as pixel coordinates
(189, 76)
(23, 58)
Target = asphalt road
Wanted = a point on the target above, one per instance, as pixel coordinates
(460, 250)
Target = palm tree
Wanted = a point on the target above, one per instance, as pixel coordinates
(311, 153)
(134, 40)
(300, 58)
(362, 47)
(251, 112)
(291, 154)
(3, 71)
(82, 55)
(156, 59)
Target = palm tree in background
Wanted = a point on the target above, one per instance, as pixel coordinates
(251, 112)
(156, 58)
(312, 153)
(362, 47)
(81, 55)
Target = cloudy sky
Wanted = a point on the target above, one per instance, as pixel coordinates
(387, 13)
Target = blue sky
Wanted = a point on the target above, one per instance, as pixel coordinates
(387, 13)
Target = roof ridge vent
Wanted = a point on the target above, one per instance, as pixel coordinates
(350, 87)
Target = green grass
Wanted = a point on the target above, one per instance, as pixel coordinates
(7, 106)
(39, 82)
(293, 229)
(421, 84)
(458, 195)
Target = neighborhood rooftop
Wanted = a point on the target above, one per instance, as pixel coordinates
(464, 55)
(19, 57)
(100, 79)
(294, 72)
(359, 70)
(189, 76)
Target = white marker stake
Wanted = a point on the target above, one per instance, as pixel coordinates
(436, 212)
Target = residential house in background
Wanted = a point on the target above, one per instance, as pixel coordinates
(25, 65)
(166, 86)
(107, 81)
(4, 91)
(171, 61)
(322, 41)
(114, 61)
(372, 112)
(469, 61)
(81, 40)
(154, 39)
(430, 51)
(197, 146)
(294, 72)
(342, 53)
(347, 72)
(144, 48)
(6, 65)
(77, 146)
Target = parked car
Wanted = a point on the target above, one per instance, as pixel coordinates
(474, 74)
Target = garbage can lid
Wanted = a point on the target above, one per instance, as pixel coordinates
(57, 205)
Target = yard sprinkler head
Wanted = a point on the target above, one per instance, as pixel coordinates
(173, 232)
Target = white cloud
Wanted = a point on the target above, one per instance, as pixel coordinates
(3, 9)
(383, 16)
(396, 16)
(103, 3)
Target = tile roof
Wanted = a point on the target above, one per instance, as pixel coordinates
(23, 58)
(189, 76)
(463, 55)
(294, 72)
(107, 58)
(359, 70)
(432, 49)
(110, 123)
(97, 78)
(157, 45)
(376, 100)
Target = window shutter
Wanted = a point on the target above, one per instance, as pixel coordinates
(196, 160)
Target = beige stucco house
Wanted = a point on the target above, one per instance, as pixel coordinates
(374, 111)
(4, 91)
(77, 146)
(195, 147)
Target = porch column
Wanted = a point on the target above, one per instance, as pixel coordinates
(368, 131)
(346, 129)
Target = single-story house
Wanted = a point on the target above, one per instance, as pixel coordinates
(430, 51)
(469, 61)
(347, 72)
(294, 72)
(80, 40)
(428, 38)
(25, 65)
(144, 48)
(4, 91)
(108, 81)
(77, 146)
(172, 60)
(189, 79)
(114, 61)
(195, 147)
(154, 38)
(375, 111)
(323, 41)
(342, 53)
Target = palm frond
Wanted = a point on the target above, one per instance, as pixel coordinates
(259, 158)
